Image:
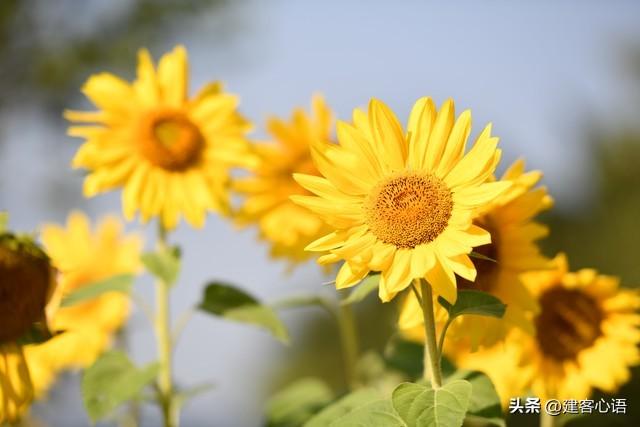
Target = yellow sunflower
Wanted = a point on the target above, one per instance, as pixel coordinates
(403, 203)
(27, 283)
(83, 256)
(586, 337)
(287, 226)
(509, 219)
(169, 152)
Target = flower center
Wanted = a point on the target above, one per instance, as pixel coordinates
(170, 140)
(409, 209)
(486, 270)
(24, 286)
(569, 322)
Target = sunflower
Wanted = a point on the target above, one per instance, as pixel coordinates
(586, 337)
(83, 256)
(287, 226)
(509, 219)
(170, 153)
(27, 283)
(403, 203)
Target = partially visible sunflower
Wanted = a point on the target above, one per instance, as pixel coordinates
(83, 256)
(403, 203)
(27, 283)
(586, 337)
(170, 153)
(509, 219)
(288, 227)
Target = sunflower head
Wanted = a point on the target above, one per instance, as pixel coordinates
(586, 332)
(170, 153)
(288, 228)
(586, 337)
(402, 202)
(26, 284)
(409, 209)
(169, 140)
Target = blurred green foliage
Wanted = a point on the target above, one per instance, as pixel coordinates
(46, 71)
(605, 233)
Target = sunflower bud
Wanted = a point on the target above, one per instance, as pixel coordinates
(26, 279)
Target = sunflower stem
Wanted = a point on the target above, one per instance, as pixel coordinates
(165, 345)
(441, 340)
(431, 362)
(546, 420)
(349, 342)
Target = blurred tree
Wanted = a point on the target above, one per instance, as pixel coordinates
(46, 63)
(605, 234)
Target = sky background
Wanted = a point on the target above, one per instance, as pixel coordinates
(534, 70)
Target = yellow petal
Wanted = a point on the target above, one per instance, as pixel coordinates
(421, 120)
(443, 281)
(480, 195)
(439, 135)
(455, 146)
(477, 164)
(349, 275)
(173, 76)
(388, 135)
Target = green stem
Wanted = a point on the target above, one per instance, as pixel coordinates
(165, 346)
(431, 358)
(441, 340)
(546, 420)
(349, 341)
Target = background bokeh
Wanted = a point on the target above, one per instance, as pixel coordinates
(559, 80)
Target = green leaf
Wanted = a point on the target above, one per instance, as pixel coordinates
(368, 285)
(111, 381)
(342, 407)
(163, 264)
(474, 302)
(118, 283)
(299, 401)
(421, 406)
(484, 405)
(375, 414)
(262, 316)
(478, 255)
(234, 304)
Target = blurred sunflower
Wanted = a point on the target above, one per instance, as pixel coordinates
(509, 219)
(170, 153)
(586, 337)
(403, 204)
(287, 226)
(27, 283)
(83, 256)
